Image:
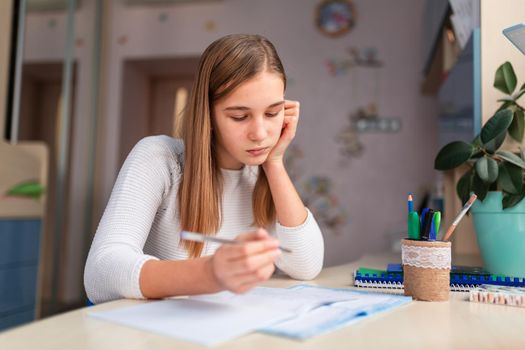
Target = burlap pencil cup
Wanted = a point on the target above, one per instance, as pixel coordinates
(426, 269)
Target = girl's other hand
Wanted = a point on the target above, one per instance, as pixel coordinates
(291, 118)
(240, 267)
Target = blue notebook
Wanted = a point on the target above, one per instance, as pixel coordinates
(462, 278)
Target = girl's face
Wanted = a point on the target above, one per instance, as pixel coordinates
(248, 122)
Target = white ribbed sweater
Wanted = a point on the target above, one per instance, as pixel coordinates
(141, 222)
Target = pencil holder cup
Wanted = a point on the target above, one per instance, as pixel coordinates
(426, 269)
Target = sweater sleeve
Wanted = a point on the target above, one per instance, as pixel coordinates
(307, 245)
(116, 256)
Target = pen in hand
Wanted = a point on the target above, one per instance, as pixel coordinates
(197, 237)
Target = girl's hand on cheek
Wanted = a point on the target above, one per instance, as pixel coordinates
(240, 267)
(291, 118)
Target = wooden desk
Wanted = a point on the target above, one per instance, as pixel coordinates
(456, 324)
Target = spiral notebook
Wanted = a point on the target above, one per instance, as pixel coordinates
(462, 278)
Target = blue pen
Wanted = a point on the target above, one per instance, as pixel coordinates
(427, 223)
(422, 217)
(432, 234)
(437, 222)
(410, 203)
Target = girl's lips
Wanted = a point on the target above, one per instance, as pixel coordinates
(258, 151)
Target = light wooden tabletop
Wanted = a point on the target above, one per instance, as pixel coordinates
(456, 324)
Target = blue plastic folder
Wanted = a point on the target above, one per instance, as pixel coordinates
(333, 316)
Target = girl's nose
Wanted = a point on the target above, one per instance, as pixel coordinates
(257, 131)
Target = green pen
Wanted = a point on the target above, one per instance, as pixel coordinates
(437, 223)
(413, 225)
(365, 270)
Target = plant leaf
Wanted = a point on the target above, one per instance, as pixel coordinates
(506, 104)
(463, 187)
(487, 169)
(517, 126)
(522, 154)
(31, 189)
(477, 141)
(452, 155)
(510, 178)
(520, 92)
(479, 187)
(478, 151)
(510, 200)
(496, 125)
(511, 158)
(505, 79)
(496, 143)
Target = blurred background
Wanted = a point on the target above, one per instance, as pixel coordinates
(382, 85)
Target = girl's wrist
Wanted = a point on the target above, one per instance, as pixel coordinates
(212, 277)
(273, 165)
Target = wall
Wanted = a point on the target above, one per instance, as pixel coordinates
(496, 48)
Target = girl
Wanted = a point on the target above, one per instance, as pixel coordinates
(225, 178)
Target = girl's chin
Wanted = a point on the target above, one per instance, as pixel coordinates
(255, 160)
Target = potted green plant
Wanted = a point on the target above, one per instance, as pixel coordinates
(496, 176)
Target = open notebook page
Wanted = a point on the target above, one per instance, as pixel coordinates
(292, 300)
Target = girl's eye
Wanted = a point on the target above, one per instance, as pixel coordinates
(271, 115)
(239, 118)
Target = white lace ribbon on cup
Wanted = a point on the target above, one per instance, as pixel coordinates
(426, 257)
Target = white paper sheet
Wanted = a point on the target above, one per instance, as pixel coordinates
(289, 299)
(297, 312)
(198, 321)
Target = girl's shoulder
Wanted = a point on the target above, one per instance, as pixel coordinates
(161, 150)
(162, 146)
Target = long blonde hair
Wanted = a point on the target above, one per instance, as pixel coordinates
(224, 65)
